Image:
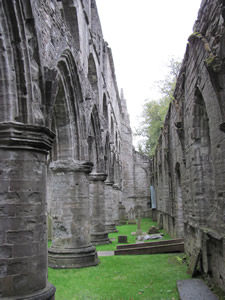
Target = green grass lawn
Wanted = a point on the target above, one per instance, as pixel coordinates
(151, 277)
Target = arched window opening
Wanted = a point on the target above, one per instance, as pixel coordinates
(62, 148)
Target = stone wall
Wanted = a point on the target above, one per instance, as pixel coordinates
(65, 139)
(188, 168)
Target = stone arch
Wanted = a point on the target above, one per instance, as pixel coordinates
(179, 201)
(63, 112)
(62, 125)
(204, 192)
(8, 106)
(22, 79)
(95, 147)
(71, 19)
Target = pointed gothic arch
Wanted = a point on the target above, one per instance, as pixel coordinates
(95, 144)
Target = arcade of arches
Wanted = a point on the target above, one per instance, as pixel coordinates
(66, 145)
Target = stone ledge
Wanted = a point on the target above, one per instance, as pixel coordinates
(71, 166)
(23, 136)
(212, 233)
(97, 176)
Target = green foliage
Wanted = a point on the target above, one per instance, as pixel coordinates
(154, 111)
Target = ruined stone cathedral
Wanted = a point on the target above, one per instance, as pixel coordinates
(66, 145)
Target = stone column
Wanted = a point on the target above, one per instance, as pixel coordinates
(71, 242)
(23, 218)
(116, 200)
(109, 221)
(99, 235)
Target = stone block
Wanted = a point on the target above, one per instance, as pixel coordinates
(22, 250)
(6, 286)
(123, 222)
(153, 230)
(19, 237)
(122, 239)
(132, 222)
(5, 251)
(19, 266)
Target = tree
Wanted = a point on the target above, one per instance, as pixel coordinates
(154, 111)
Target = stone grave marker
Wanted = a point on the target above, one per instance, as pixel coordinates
(122, 239)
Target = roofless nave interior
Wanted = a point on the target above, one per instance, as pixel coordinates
(65, 140)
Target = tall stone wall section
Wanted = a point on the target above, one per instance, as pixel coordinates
(62, 141)
(135, 172)
(188, 168)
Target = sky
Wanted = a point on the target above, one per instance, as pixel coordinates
(144, 35)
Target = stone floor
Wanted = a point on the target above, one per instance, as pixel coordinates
(194, 289)
(105, 253)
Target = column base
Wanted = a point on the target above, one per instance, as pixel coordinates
(100, 238)
(46, 294)
(117, 222)
(72, 258)
(111, 228)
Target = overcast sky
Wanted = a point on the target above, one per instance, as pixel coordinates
(144, 35)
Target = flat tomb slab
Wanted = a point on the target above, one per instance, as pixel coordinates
(194, 289)
(151, 244)
(170, 248)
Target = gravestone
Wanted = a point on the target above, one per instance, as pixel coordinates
(139, 231)
(153, 230)
(131, 217)
(122, 214)
(122, 239)
(160, 221)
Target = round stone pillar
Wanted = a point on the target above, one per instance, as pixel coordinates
(116, 200)
(99, 235)
(23, 221)
(71, 242)
(110, 225)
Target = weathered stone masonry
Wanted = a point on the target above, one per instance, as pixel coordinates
(188, 169)
(65, 140)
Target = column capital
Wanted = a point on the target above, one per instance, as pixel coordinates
(110, 183)
(71, 166)
(97, 176)
(116, 187)
(15, 135)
